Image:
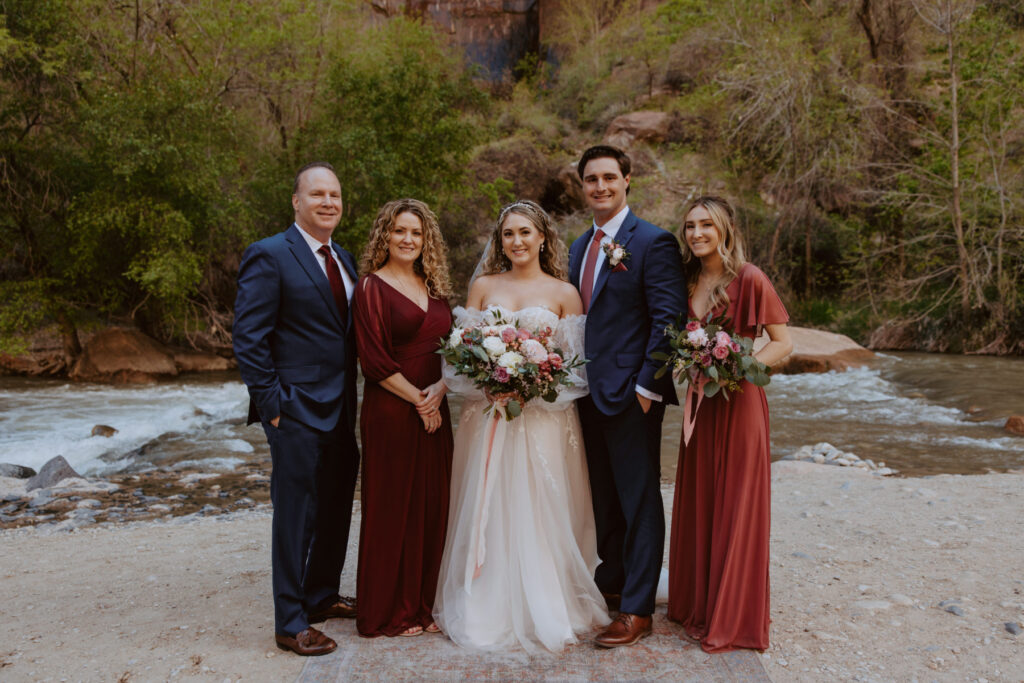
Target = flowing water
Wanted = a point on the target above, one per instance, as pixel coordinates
(919, 413)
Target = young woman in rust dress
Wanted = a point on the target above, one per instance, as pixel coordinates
(400, 311)
(718, 559)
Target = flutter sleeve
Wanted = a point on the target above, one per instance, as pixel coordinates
(460, 384)
(757, 304)
(568, 337)
(372, 317)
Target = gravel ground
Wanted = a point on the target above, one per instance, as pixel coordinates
(873, 579)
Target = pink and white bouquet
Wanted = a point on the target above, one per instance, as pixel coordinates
(511, 364)
(710, 358)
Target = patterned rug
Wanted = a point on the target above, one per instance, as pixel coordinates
(663, 656)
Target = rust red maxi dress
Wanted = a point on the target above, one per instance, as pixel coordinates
(718, 558)
(406, 471)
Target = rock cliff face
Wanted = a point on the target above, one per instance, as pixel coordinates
(495, 34)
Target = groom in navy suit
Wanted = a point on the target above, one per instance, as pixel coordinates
(629, 273)
(295, 346)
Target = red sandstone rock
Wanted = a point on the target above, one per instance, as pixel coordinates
(1015, 425)
(123, 355)
(189, 360)
(639, 126)
(818, 351)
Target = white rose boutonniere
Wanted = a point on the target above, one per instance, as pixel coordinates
(616, 255)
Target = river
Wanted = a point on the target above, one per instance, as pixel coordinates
(919, 413)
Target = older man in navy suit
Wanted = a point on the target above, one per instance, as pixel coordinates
(295, 347)
(630, 278)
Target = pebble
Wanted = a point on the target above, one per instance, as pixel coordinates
(955, 609)
(802, 556)
(900, 599)
(1013, 628)
(41, 499)
(88, 503)
(872, 604)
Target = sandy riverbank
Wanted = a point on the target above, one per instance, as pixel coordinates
(859, 567)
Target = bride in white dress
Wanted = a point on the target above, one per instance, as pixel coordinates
(521, 550)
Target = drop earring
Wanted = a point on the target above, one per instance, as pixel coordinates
(542, 246)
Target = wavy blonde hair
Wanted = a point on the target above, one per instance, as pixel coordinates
(432, 263)
(552, 256)
(730, 247)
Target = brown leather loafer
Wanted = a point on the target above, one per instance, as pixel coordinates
(344, 608)
(627, 629)
(308, 643)
(612, 600)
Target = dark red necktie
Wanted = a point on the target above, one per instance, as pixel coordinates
(337, 286)
(587, 281)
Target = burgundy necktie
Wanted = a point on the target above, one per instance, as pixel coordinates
(587, 281)
(337, 286)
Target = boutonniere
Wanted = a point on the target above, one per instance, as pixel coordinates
(616, 254)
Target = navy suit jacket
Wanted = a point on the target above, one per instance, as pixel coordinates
(628, 313)
(295, 353)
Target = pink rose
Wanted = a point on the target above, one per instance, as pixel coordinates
(555, 360)
(508, 335)
(735, 346)
(721, 352)
(524, 334)
(500, 374)
(705, 359)
(692, 325)
(534, 351)
(722, 338)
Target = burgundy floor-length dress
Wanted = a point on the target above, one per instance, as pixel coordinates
(718, 560)
(406, 471)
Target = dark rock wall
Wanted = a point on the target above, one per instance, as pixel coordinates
(495, 34)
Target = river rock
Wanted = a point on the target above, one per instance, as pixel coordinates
(103, 430)
(1013, 628)
(16, 471)
(53, 472)
(818, 351)
(123, 355)
(1015, 425)
(190, 360)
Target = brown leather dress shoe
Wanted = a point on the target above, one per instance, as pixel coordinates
(308, 643)
(627, 629)
(344, 608)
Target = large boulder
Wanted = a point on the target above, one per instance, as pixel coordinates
(52, 473)
(818, 351)
(123, 355)
(654, 127)
(190, 360)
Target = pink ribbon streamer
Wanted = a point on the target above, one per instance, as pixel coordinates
(695, 387)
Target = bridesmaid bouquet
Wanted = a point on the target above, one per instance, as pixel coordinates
(709, 358)
(508, 362)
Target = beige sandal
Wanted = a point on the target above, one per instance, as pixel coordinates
(432, 628)
(412, 631)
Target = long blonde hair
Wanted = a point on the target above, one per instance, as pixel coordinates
(730, 247)
(552, 256)
(432, 263)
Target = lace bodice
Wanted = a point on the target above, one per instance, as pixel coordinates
(568, 336)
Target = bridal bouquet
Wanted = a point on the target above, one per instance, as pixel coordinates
(508, 362)
(711, 359)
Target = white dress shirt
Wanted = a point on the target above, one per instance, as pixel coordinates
(611, 229)
(315, 245)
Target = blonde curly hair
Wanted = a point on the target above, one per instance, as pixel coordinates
(432, 263)
(552, 256)
(730, 247)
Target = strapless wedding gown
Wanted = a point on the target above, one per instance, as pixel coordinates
(521, 548)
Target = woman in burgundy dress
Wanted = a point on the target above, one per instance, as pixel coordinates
(401, 310)
(718, 560)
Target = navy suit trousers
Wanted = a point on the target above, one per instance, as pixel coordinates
(624, 460)
(311, 486)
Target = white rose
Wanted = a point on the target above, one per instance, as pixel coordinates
(494, 346)
(456, 337)
(534, 351)
(618, 253)
(510, 361)
(698, 337)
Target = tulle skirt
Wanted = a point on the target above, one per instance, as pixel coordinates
(521, 549)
